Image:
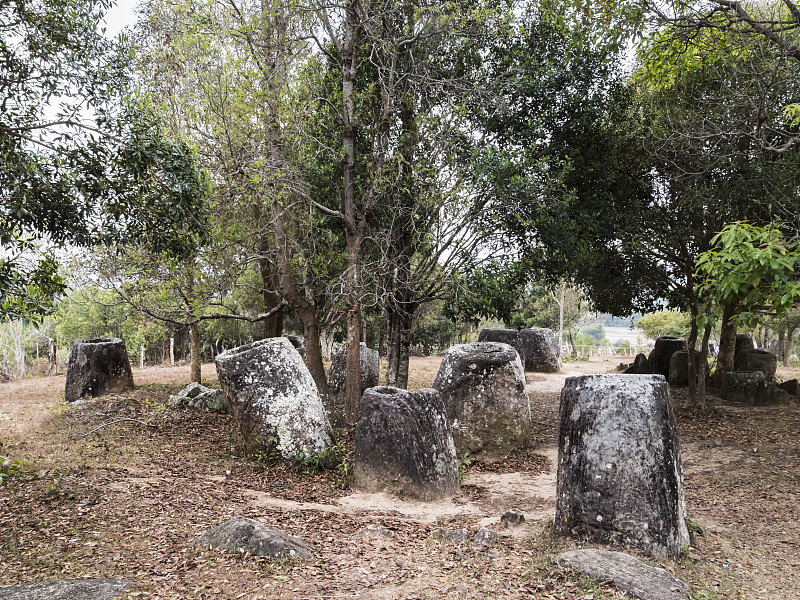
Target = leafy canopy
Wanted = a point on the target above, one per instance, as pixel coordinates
(81, 160)
(752, 267)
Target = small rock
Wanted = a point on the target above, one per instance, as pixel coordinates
(459, 536)
(374, 531)
(629, 574)
(241, 533)
(200, 397)
(485, 538)
(512, 518)
(67, 589)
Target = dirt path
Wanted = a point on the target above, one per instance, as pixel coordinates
(126, 501)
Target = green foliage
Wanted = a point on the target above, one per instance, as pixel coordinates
(81, 161)
(336, 457)
(667, 322)
(9, 468)
(752, 267)
(596, 332)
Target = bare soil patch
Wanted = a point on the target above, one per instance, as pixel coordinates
(126, 500)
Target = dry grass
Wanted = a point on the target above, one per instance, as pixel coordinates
(126, 501)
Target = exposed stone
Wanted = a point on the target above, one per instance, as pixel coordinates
(273, 398)
(403, 445)
(790, 387)
(744, 342)
(629, 575)
(485, 538)
(457, 536)
(67, 589)
(375, 531)
(749, 387)
(299, 344)
(96, 367)
(200, 397)
(512, 518)
(640, 366)
(241, 533)
(483, 390)
(541, 350)
(503, 336)
(620, 479)
(663, 350)
(748, 361)
(337, 374)
(679, 366)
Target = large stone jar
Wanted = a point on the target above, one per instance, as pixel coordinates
(96, 367)
(403, 445)
(662, 353)
(541, 350)
(273, 398)
(483, 390)
(620, 479)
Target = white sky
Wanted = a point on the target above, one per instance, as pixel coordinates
(121, 15)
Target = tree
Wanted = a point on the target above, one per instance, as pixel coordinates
(752, 268)
(81, 163)
(622, 195)
(668, 322)
(234, 78)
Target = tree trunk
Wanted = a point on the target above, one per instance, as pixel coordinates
(51, 355)
(405, 346)
(393, 345)
(196, 349)
(692, 398)
(782, 343)
(273, 326)
(313, 343)
(727, 339)
(787, 350)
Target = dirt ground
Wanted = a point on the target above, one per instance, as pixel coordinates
(96, 496)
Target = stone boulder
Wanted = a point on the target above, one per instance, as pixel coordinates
(241, 533)
(541, 350)
(629, 574)
(640, 366)
(403, 445)
(483, 390)
(273, 398)
(744, 342)
(299, 344)
(503, 336)
(663, 350)
(200, 397)
(337, 374)
(749, 361)
(96, 367)
(746, 387)
(620, 479)
(791, 387)
(67, 589)
(679, 366)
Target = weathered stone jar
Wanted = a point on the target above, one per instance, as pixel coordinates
(483, 390)
(96, 367)
(620, 479)
(541, 350)
(403, 445)
(273, 398)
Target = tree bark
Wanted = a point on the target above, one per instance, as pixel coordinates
(782, 342)
(313, 343)
(196, 349)
(727, 339)
(273, 326)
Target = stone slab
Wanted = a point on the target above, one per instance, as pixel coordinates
(629, 574)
